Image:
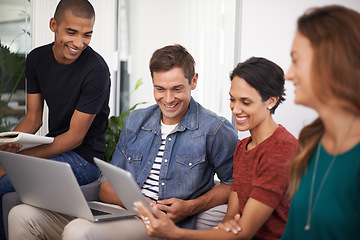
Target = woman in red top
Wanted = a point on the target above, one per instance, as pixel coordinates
(261, 166)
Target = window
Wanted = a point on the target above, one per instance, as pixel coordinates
(15, 43)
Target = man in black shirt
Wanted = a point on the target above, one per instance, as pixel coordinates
(74, 81)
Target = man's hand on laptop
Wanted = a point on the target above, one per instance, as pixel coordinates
(176, 209)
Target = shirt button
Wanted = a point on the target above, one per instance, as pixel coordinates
(190, 164)
(129, 158)
(165, 160)
(162, 184)
(169, 139)
(149, 162)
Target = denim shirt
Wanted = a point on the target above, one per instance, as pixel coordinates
(201, 145)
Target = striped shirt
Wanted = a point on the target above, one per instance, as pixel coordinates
(151, 185)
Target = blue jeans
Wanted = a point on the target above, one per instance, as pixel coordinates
(84, 171)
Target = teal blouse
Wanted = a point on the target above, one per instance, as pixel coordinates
(337, 211)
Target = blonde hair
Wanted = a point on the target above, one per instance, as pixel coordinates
(334, 34)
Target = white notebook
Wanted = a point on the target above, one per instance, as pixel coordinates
(27, 140)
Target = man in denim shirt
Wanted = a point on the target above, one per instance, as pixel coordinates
(173, 149)
(199, 143)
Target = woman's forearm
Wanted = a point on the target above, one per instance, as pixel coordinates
(212, 234)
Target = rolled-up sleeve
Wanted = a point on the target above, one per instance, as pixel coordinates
(222, 150)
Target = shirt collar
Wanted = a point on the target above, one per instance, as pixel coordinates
(190, 120)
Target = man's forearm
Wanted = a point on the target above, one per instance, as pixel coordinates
(61, 144)
(29, 125)
(218, 195)
(79, 125)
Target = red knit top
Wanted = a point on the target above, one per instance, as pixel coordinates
(262, 174)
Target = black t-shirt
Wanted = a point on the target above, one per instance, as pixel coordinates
(83, 85)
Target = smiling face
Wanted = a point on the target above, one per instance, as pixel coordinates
(247, 106)
(300, 71)
(172, 93)
(72, 36)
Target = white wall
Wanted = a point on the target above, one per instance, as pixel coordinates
(204, 27)
(267, 30)
(104, 39)
(263, 28)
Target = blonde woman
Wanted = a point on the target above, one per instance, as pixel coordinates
(325, 174)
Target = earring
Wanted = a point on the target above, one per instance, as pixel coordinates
(269, 107)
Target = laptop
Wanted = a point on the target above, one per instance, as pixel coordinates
(123, 184)
(51, 185)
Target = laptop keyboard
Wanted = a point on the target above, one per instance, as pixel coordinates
(98, 212)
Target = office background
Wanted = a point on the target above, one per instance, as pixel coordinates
(218, 33)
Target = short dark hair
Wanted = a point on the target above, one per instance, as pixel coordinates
(263, 75)
(80, 8)
(172, 56)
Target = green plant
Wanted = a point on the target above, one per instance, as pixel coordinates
(115, 125)
(12, 68)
